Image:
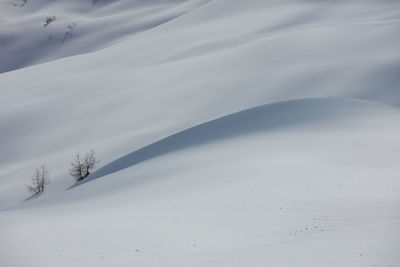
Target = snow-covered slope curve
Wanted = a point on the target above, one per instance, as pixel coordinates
(322, 191)
(317, 186)
(296, 114)
(222, 57)
(75, 27)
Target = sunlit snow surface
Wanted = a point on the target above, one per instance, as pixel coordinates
(230, 132)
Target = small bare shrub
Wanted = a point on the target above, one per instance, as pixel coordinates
(39, 180)
(82, 166)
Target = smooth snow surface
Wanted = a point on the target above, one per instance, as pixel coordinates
(230, 133)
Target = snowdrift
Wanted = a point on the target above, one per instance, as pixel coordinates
(78, 26)
(295, 114)
(309, 182)
(230, 133)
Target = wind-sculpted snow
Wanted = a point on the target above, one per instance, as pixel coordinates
(77, 27)
(271, 117)
(229, 132)
(308, 182)
(221, 57)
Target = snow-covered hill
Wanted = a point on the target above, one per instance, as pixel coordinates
(76, 26)
(230, 133)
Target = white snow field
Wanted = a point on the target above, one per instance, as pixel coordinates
(230, 133)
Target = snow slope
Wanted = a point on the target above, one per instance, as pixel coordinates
(79, 26)
(230, 133)
(318, 192)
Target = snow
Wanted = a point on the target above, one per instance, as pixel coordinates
(230, 133)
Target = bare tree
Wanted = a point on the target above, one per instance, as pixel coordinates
(82, 166)
(39, 180)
